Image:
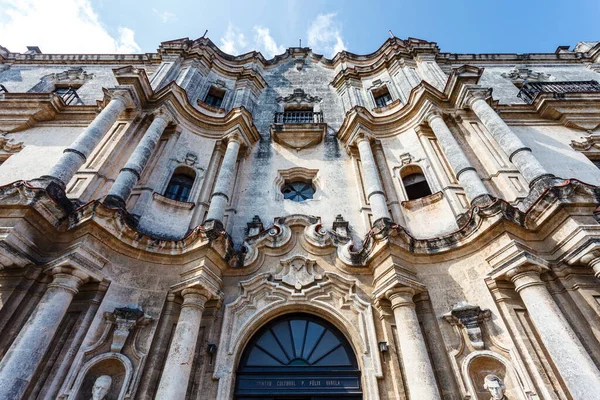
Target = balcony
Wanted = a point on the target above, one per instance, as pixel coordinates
(69, 96)
(298, 129)
(298, 117)
(531, 89)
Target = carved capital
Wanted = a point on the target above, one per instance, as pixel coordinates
(164, 113)
(195, 297)
(401, 296)
(475, 94)
(434, 113)
(69, 279)
(125, 95)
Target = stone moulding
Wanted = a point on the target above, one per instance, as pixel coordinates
(297, 173)
(330, 296)
(423, 201)
(121, 226)
(298, 136)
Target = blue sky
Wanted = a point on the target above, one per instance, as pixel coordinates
(460, 26)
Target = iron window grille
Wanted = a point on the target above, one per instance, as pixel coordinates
(531, 89)
(298, 191)
(69, 95)
(298, 117)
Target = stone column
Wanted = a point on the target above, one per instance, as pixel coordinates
(465, 173)
(420, 379)
(20, 363)
(77, 153)
(520, 155)
(132, 171)
(373, 188)
(176, 373)
(220, 195)
(572, 361)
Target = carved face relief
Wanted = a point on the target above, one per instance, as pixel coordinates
(495, 386)
(101, 387)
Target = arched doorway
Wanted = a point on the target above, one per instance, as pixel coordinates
(298, 357)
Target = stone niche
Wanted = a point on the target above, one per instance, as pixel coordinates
(111, 366)
(116, 354)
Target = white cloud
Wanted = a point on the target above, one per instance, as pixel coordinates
(59, 26)
(265, 42)
(165, 16)
(325, 35)
(234, 42)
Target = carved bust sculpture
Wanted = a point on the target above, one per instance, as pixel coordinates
(495, 386)
(101, 387)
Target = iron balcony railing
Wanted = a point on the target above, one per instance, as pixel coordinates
(298, 117)
(69, 96)
(531, 89)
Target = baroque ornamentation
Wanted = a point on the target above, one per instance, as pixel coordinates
(520, 74)
(469, 318)
(329, 294)
(298, 272)
(299, 96)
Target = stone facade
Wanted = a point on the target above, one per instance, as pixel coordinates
(435, 214)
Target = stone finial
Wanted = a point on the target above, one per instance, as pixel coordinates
(255, 226)
(126, 319)
(470, 318)
(495, 386)
(341, 226)
(101, 387)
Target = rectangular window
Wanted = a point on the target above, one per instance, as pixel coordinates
(214, 97)
(382, 96)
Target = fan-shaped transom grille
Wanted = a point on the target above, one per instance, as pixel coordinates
(299, 341)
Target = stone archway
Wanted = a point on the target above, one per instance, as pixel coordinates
(329, 296)
(298, 356)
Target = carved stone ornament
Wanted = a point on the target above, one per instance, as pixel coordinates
(331, 296)
(406, 158)
(464, 315)
(101, 387)
(125, 319)
(298, 96)
(495, 386)
(587, 144)
(298, 272)
(520, 74)
(9, 145)
(124, 323)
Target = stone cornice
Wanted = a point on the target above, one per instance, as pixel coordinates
(238, 119)
(393, 48)
(118, 230)
(87, 59)
(19, 111)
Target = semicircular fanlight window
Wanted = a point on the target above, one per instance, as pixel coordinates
(299, 342)
(298, 191)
